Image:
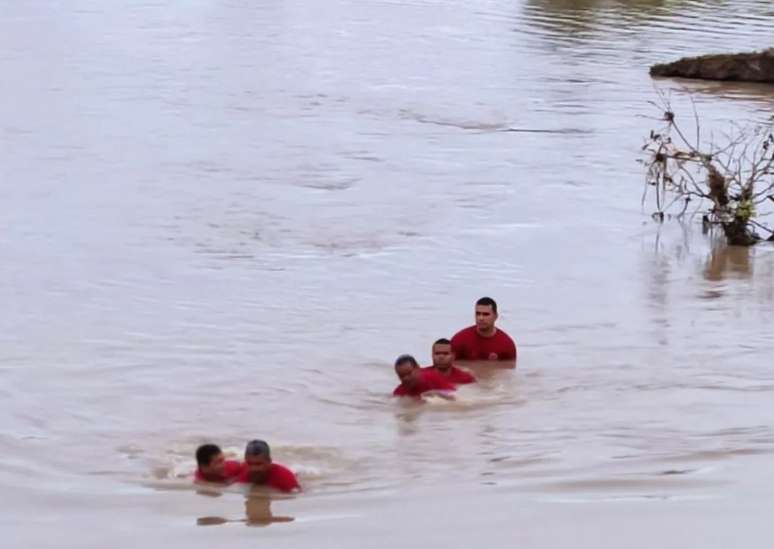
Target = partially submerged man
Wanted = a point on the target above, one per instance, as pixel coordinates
(259, 469)
(212, 466)
(484, 341)
(443, 364)
(414, 381)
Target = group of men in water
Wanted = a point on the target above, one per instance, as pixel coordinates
(482, 341)
(257, 468)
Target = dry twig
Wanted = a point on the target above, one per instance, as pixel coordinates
(735, 178)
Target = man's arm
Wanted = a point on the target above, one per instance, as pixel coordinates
(507, 348)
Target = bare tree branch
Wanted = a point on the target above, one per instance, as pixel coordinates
(732, 177)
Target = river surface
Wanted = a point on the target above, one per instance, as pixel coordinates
(223, 219)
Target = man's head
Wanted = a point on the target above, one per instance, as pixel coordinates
(443, 356)
(486, 315)
(407, 369)
(210, 460)
(257, 460)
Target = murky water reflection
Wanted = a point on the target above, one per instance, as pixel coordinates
(222, 220)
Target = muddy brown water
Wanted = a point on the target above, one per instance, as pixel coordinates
(223, 220)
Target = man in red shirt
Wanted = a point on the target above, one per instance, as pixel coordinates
(484, 341)
(443, 364)
(415, 382)
(260, 470)
(212, 466)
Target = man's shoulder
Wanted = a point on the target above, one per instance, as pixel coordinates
(430, 373)
(277, 468)
(504, 335)
(282, 478)
(233, 468)
(465, 332)
(462, 376)
(436, 382)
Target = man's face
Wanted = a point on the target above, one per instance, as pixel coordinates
(442, 356)
(485, 318)
(257, 467)
(215, 468)
(407, 373)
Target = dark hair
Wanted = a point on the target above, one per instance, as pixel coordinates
(257, 448)
(403, 359)
(442, 341)
(205, 453)
(488, 301)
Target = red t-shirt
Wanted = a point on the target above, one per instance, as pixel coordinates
(279, 477)
(457, 376)
(231, 470)
(428, 381)
(468, 344)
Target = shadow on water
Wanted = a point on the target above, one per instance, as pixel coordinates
(579, 14)
(754, 265)
(575, 21)
(683, 247)
(591, 7)
(724, 262)
(589, 17)
(257, 513)
(760, 95)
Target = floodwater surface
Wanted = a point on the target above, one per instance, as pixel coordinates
(222, 220)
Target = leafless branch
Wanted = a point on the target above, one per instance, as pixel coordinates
(734, 176)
